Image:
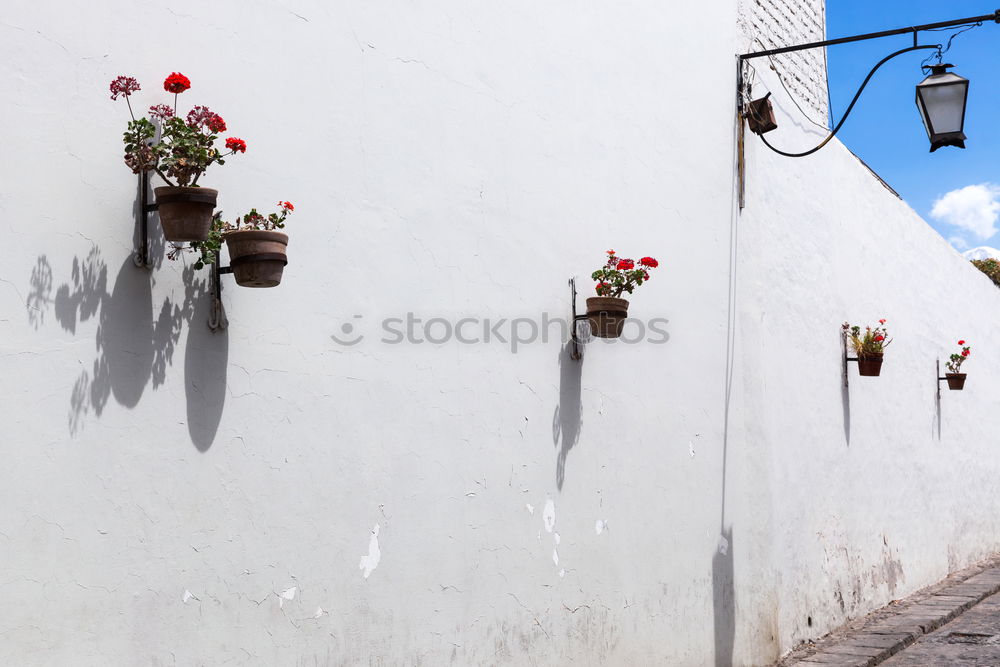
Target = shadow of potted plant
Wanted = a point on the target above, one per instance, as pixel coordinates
(869, 346)
(185, 149)
(607, 311)
(955, 376)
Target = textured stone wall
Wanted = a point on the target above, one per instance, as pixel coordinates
(777, 23)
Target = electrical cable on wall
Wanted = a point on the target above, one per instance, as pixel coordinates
(850, 107)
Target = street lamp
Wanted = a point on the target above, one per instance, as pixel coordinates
(941, 100)
(941, 96)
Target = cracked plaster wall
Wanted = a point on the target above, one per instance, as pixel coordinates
(267, 496)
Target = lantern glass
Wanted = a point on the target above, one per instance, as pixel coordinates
(941, 99)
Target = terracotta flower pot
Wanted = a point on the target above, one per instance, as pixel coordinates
(257, 257)
(606, 315)
(185, 213)
(956, 381)
(870, 365)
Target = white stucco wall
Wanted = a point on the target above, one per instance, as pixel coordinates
(267, 496)
(875, 490)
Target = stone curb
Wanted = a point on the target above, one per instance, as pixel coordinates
(883, 636)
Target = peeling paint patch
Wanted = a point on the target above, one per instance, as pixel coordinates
(562, 573)
(319, 612)
(555, 556)
(555, 536)
(691, 447)
(549, 515)
(723, 545)
(370, 562)
(530, 508)
(188, 596)
(600, 526)
(287, 595)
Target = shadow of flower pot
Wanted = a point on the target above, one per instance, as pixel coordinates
(125, 338)
(206, 363)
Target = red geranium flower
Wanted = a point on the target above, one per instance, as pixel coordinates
(611, 252)
(879, 338)
(236, 145)
(216, 124)
(603, 288)
(123, 85)
(961, 342)
(287, 205)
(965, 353)
(176, 83)
(881, 321)
(198, 116)
(204, 117)
(650, 262)
(625, 265)
(645, 275)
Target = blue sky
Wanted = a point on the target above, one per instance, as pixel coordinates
(885, 128)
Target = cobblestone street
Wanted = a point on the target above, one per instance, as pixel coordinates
(971, 639)
(954, 622)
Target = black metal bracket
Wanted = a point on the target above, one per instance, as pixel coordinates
(141, 255)
(846, 359)
(217, 319)
(577, 353)
(995, 17)
(937, 373)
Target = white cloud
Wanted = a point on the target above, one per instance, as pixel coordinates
(982, 252)
(974, 208)
(958, 243)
